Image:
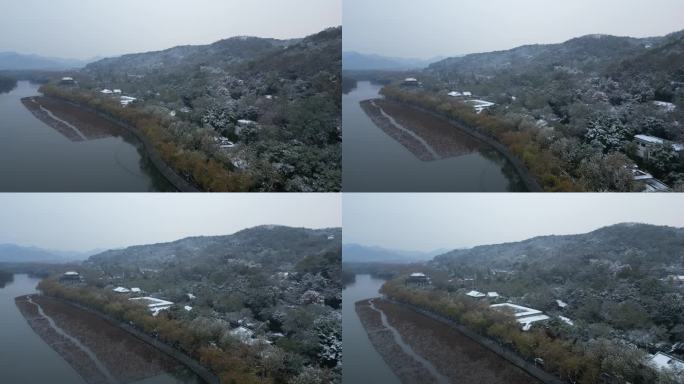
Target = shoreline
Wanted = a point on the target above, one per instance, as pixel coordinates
(526, 177)
(166, 352)
(504, 353)
(171, 176)
(416, 146)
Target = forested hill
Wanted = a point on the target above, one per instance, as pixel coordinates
(276, 248)
(278, 101)
(620, 282)
(652, 249)
(587, 53)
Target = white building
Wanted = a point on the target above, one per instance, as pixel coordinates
(125, 100)
(479, 105)
(153, 304)
(664, 361)
(411, 82)
(418, 278)
(523, 315)
(647, 144)
(664, 105)
(223, 142)
(650, 183)
(476, 294)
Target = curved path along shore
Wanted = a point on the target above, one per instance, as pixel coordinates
(530, 181)
(441, 379)
(504, 353)
(170, 174)
(93, 357)
(400, 127)
(206, 375)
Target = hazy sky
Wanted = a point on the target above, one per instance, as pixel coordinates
(428, 28)
(427, 222)
(81, 222)
(84, 29)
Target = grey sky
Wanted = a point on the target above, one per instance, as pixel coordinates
(427, 222)
(82, 222)
(428, 28)
(84, 29)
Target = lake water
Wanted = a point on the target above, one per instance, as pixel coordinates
(361, 362)
(34, 157)
(25, 358)
(375, 162)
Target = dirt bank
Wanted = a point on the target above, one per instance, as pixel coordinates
(454, 355)
(79, 122)
(99, 351)
(403, 365)
(442, 138)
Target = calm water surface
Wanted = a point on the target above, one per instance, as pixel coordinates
(34, 157)
(25, 358)
(361, 362)
(375, 162)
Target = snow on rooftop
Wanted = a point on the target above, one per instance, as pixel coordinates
(668, 107)
(466, 93)
(475, 294)
(106, 91)
(410, 79)
(191, 296)
(417, 274)
(528, 321)
(67, 79)
(70, 273)
(664, 361)
(242, 333)
(649, 139)
(492, 294)
(566, 320)
(245, 122)
(561, 303)
(518, 310)
(153, 304)
(136, 290)
(188, 308)
(455, 94)
(121, 290)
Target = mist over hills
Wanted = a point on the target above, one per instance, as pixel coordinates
(356, 253)
(12, 253)
(18, 61)
(355, 61)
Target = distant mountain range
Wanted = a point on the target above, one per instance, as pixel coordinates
(18, 61)
(12, 253)
(355, 253)
(354, 61)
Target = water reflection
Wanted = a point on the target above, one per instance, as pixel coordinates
(375, 161)
(362, 363)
